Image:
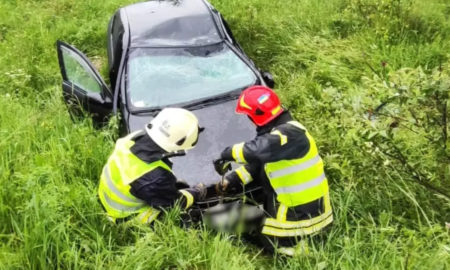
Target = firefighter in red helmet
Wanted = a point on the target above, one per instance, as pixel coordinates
(283, 159)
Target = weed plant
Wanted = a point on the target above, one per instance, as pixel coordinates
(335, 62)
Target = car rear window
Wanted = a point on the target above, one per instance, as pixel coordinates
(171, 23)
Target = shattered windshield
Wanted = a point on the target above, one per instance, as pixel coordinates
(159, 77)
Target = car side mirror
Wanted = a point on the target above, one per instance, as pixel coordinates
(268, 79)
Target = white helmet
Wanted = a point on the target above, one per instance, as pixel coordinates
(174, 129)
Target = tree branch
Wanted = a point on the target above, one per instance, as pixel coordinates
(421, 178)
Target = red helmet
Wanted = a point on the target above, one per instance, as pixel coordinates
(260, 103)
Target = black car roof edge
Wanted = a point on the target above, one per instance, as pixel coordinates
(125, 48)
(177, 46)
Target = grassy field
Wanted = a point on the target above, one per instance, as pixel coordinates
(334, 62)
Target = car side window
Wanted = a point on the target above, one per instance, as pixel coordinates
(78, 73)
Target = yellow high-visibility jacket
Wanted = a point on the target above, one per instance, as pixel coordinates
(121, 170)
(285, 157)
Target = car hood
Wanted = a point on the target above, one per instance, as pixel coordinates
(223, 127)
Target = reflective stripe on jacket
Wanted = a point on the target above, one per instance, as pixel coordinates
(283, 158)
(298, 181)
(122, 168)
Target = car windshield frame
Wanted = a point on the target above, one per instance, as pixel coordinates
(231, 94)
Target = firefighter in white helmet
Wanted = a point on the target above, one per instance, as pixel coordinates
(137, 181)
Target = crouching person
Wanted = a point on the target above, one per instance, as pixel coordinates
(137, 181)
(284, 160)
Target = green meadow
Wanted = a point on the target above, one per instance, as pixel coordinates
(334, 62)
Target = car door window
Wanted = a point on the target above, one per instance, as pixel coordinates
(78, 73)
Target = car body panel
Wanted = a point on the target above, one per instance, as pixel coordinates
(223, 127)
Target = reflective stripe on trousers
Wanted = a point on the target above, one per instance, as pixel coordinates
(147, 216)
(274, 231)
(188, 196)
(280, 227)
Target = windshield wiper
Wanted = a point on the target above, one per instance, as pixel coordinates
(199, 104)
(151, 111)
(212, 101)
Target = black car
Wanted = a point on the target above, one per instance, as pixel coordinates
(168, 54)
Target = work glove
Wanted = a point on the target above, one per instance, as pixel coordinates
(201, 191)
(181, 184)
(221, 166)
(222, 187)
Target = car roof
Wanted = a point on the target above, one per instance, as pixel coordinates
(171, 23)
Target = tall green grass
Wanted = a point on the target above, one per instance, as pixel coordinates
(334, 61)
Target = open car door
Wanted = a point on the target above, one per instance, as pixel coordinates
(83, 87)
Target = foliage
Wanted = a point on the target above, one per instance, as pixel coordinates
(335, 62)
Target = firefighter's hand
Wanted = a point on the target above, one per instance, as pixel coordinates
(201, 189)
(222, 187)
(221, 166)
